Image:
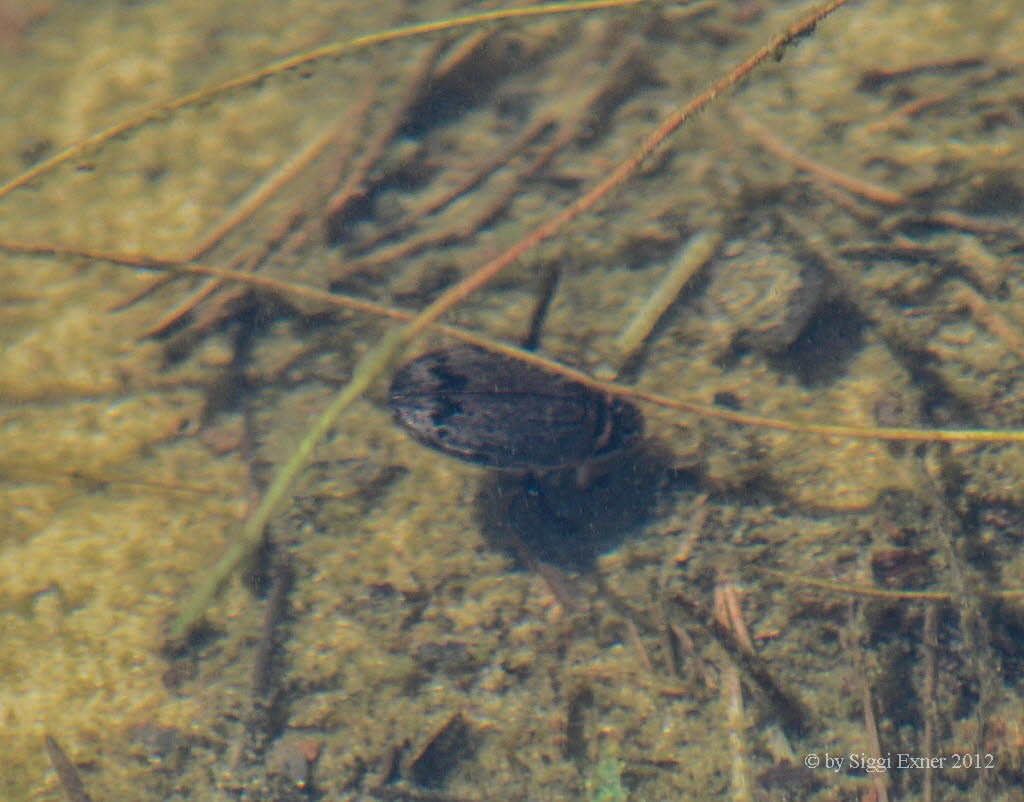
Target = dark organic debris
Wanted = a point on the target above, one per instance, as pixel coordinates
(70, 780)
(442, 753)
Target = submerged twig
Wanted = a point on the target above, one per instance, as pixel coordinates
(404, 793)
(694, 255)
(880, 593)
(786, 705)
(871, 727)
(569, 594)
(353, 186)
(979, 655)
(68, 775)
(733, 692)
(829, 176)
(989, 317)
(276, 609)
(930, 644)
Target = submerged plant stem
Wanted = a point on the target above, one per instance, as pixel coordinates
(371, 366)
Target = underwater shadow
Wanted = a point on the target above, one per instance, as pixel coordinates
(569, 526)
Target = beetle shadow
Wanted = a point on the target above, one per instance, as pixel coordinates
(569, 526)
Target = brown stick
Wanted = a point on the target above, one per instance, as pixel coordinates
(899, 115)
(930, 643)
(820, 172)
(567, 130)
(871, 727)
(265, 189)
(989, 317)
(447, 197)
(353, 186)
(68, 775)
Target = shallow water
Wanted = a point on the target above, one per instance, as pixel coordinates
(423, 654)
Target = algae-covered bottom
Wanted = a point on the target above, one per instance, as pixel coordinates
(414, 656)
